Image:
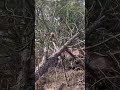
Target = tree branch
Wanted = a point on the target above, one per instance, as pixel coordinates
(53, 59)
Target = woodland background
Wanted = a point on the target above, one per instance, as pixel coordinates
(50, 44)
(57, 22)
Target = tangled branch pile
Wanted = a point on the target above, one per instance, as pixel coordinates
(60, 31)
(104, 41)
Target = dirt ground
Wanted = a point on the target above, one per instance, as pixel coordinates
(58, 79)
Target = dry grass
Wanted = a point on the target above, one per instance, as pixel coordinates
(58, 79)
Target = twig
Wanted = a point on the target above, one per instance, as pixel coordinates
(46, 25)
(102, 42)
(105, 78)
(114, 58)
(93, 27)
(108, 78)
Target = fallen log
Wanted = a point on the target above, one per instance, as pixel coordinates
(53, 59)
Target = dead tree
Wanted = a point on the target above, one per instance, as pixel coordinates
(53, 59)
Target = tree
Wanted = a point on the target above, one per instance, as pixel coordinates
(59, 26)
(17, 44)
(103, 39)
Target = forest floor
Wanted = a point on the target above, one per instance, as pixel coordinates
(59, 79)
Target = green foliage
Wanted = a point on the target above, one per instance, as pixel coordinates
(63, 17)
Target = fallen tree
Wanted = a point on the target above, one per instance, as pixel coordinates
(52, 61)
